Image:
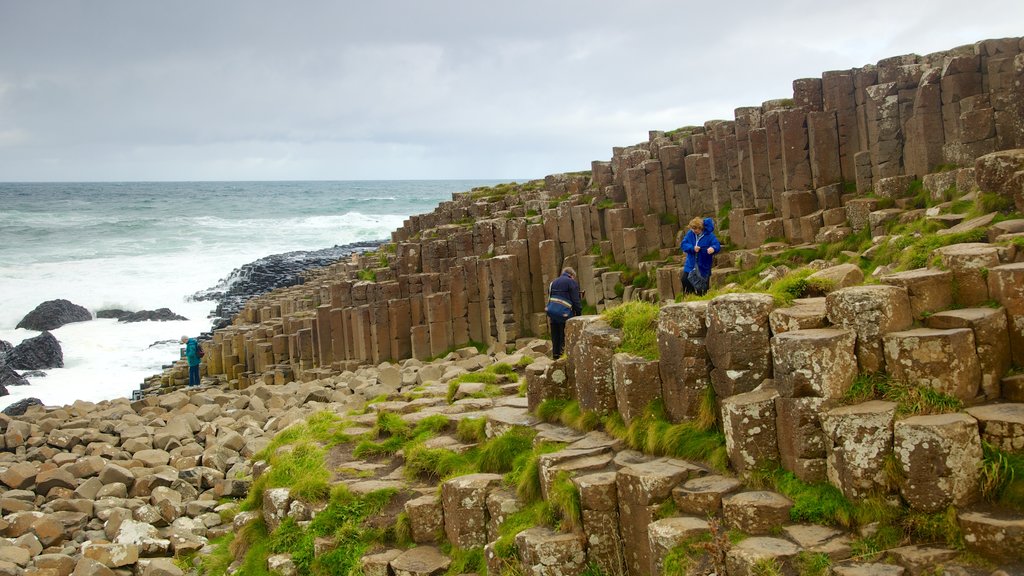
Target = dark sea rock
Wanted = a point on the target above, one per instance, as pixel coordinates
(37, 353)
(158, 315)
(112, 313)
(5, 347)
(8, 377)
(33, 374)
(21, 406)
(53, 314)
(271, 273)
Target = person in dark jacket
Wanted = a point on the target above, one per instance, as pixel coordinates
(193, 357)
(699, 244)
(563, 303)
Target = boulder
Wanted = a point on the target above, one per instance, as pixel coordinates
(1006, 286)
(8, 377)
(53, 314)
(801, 438)
(836, 277)
(21, 406)
(991, 337)
(36, 353)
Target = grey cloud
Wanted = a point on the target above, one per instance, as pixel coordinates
(138, 89)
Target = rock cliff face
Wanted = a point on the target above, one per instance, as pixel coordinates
(814, 168)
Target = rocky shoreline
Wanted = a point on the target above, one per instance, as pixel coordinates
(271, 273)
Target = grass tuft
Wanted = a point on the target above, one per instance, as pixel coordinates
(638, 322)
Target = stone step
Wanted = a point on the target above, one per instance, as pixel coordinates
(757, 511)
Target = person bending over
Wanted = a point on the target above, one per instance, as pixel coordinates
(563, 303)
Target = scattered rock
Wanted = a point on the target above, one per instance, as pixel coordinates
(53, 314)
(158, 315)
(115, 313)
(42, 351)
(8, 377)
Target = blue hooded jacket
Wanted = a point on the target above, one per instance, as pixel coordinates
(706, 240)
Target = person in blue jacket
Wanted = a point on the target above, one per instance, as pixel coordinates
(699, 244)
(194, 358)
(563, 303)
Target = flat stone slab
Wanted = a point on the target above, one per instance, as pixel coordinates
(744, 556)
(554, 433)
(505, 418)
(421, 561)
(703, 496)
(995, 535)
(366, 486)
(869, 569)
(757, 511)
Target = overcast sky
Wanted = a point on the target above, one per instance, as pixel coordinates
(399, 89)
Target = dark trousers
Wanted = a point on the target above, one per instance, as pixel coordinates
(688, 287)
(557, 338)
(193, 375)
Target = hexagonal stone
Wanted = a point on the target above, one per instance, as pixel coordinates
(756, 512)
(859, 439)
(1001, 425)
(703, 496)
(997, 535)
(870, 311)
(817, 362)
(1006, 286)
(426, 518)
(944, 360)
(667, 533)
(991, 337)
(738, 342)
(465, 508)
(744, 557)
(379, 564)
(941, 459)
(749, 422)
(544, 551)
(802, 314)
(968, 262)
(930, 290)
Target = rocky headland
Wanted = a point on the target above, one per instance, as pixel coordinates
(847, 400)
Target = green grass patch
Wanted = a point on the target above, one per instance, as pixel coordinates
(465, 560)
(564, 498)
(652, 433)
(394, 434)
(812, 564)
(639, 324)
(367, 275)
(1002, 478)
(910, 400)
(342, 519)
(471, 430)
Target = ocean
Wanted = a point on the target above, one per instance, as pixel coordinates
(148, 245)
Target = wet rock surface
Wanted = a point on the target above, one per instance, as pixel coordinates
(53, 314)
(36, 353)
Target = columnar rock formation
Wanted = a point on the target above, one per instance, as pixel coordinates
(812, 168)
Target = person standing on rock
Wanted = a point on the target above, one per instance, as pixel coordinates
(699, 244)
(563, 303)
(194, 357)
